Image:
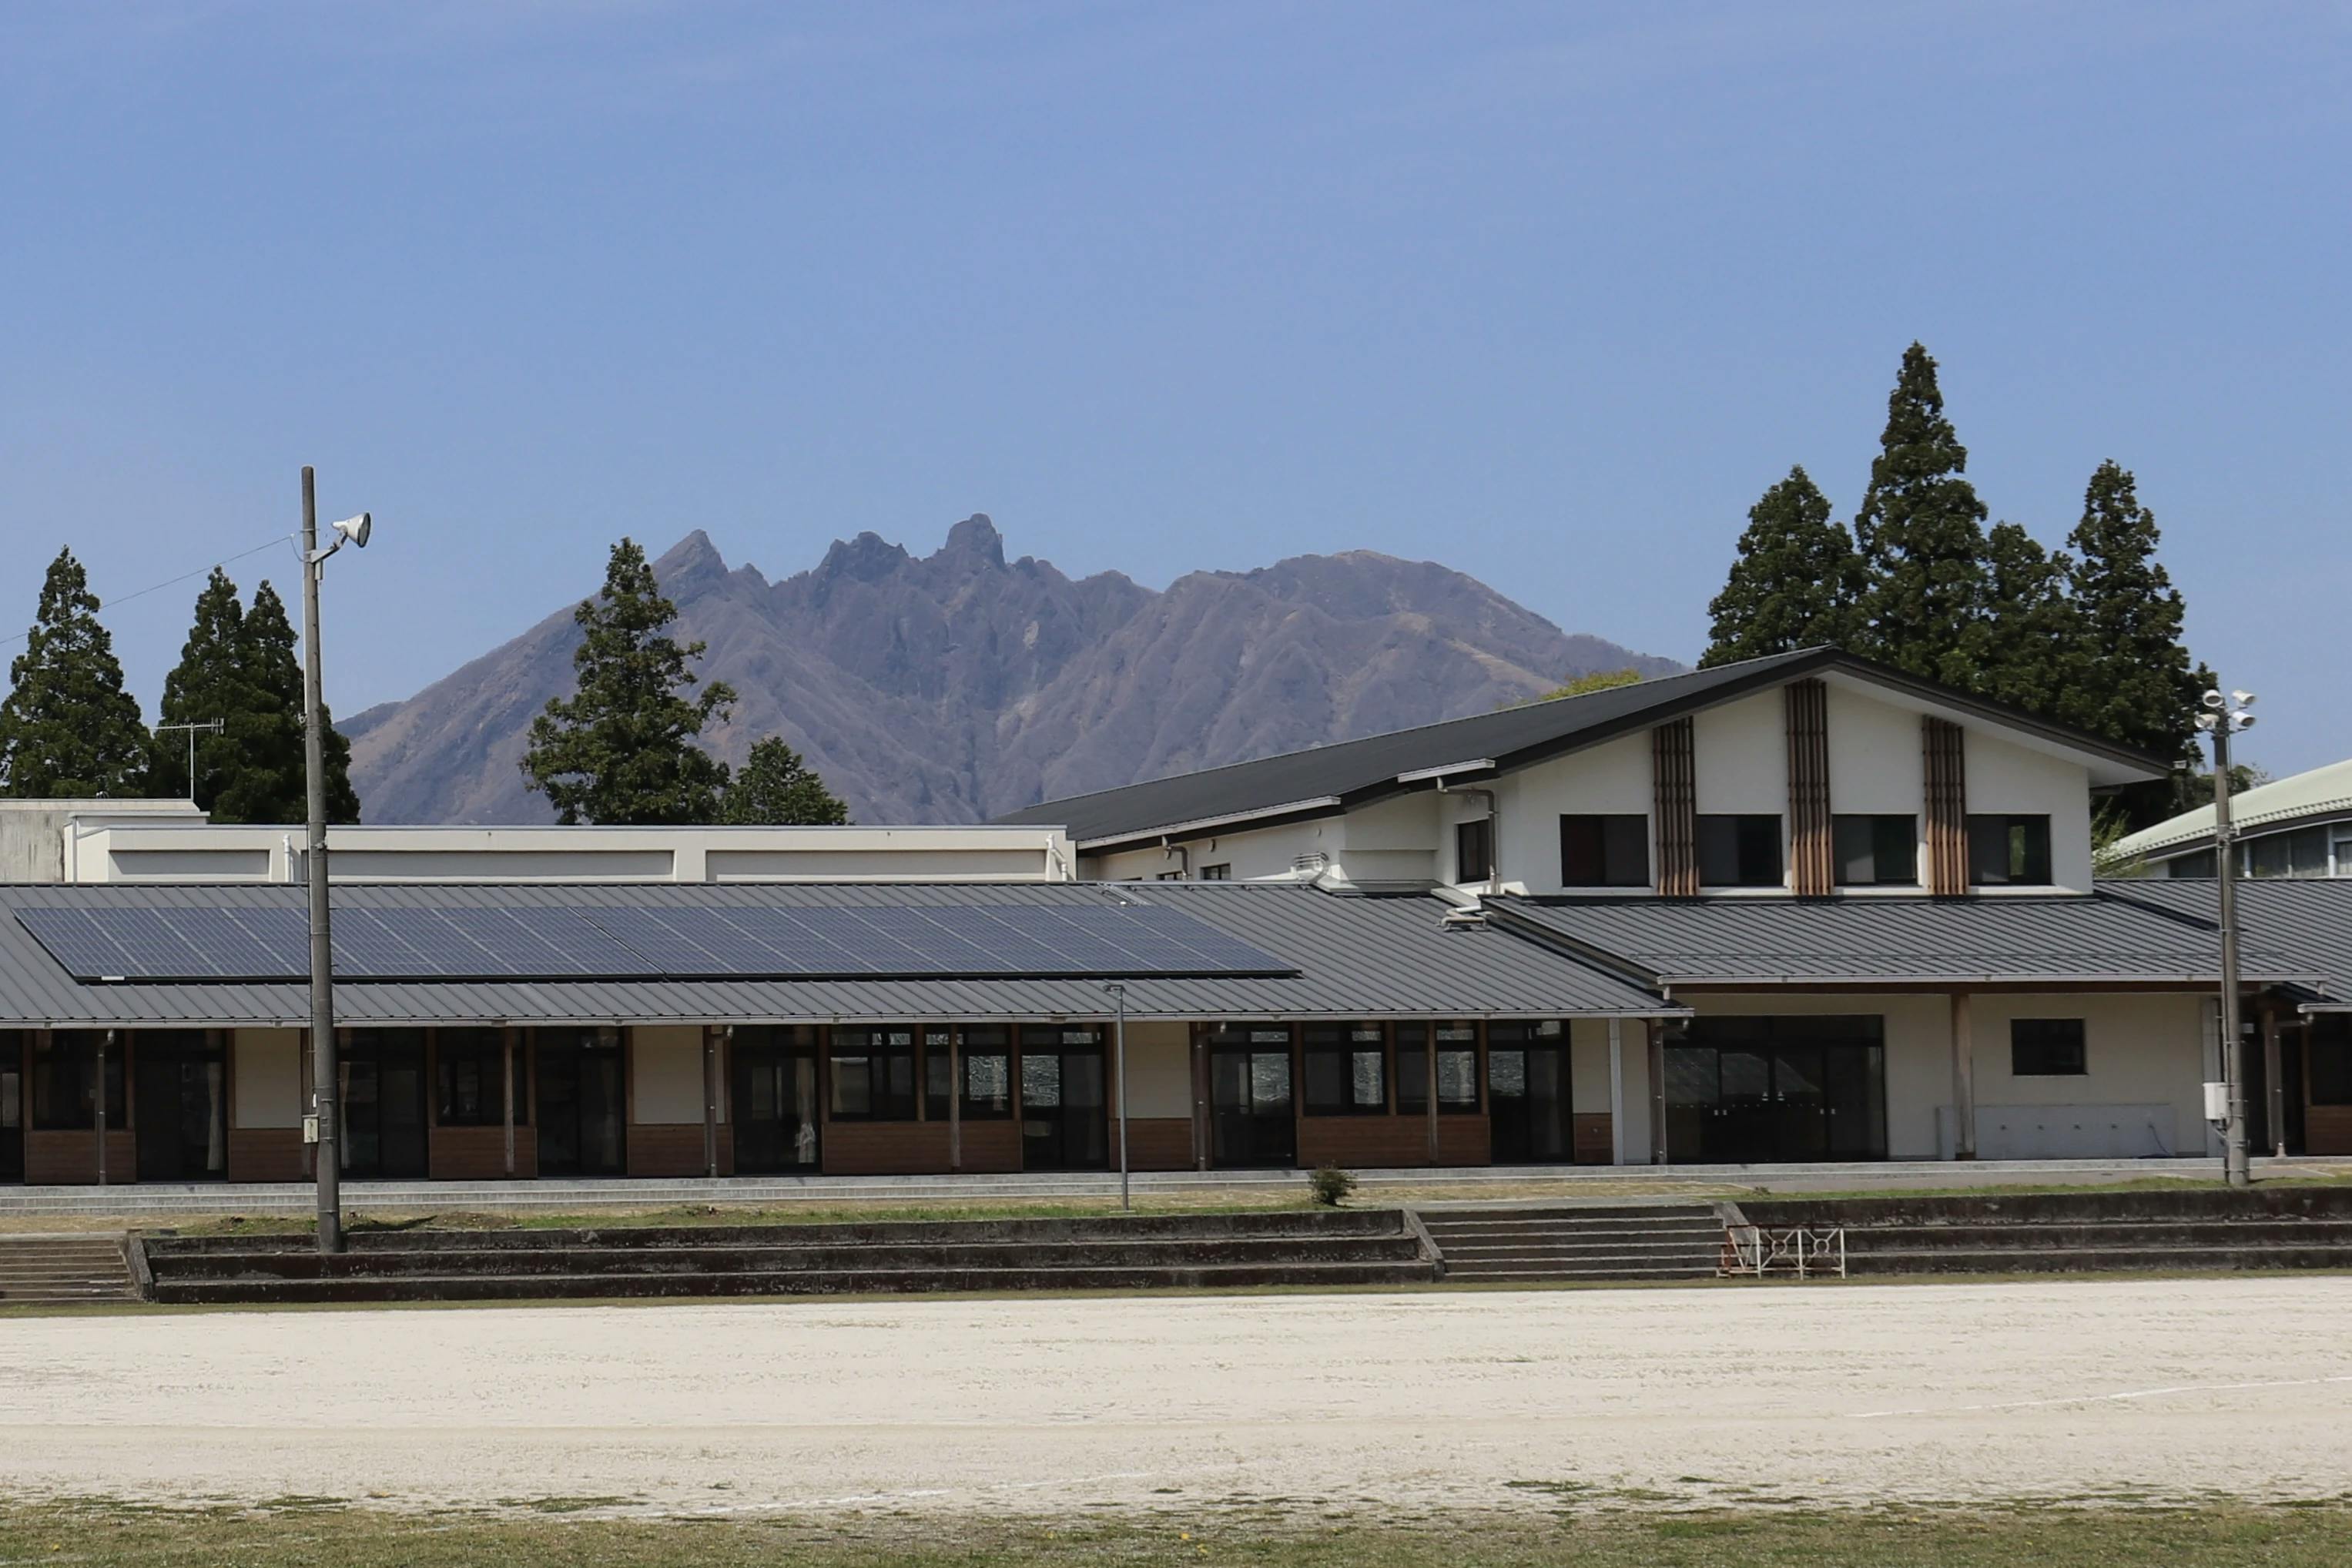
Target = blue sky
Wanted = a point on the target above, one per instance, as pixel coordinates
(1549, 293)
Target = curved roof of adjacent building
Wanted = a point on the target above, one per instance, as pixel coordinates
(2317, 795)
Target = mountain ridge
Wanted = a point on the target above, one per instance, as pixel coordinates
(959, 685)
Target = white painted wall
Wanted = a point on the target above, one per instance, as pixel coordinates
(667, 1075)
(1158, 1069)
(2007, 778)
(1611, 778)
(267, 1071)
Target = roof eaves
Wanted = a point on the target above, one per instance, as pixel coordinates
(1314, 805)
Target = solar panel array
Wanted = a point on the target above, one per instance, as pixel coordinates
(645, 941)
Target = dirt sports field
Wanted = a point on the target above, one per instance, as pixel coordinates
(2074, 1389)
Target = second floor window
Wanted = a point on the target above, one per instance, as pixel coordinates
(1474, 850)
(1877, 851)
(1221, 872)
(2009, 849)
(1604, 852)
(1741, 851)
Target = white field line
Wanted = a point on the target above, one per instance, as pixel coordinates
(2100, 1398)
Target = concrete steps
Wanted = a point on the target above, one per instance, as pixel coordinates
(53, 1269)
(1194, 1251)
(1529, 1245)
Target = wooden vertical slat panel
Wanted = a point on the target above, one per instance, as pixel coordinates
(1947, 807)
(1811, 862)
(1674, 799)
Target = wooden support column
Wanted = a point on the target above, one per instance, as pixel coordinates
(1964, 1079)
(1200, 1033)
(1943, 746)
(105, 1041)
(1675, 801)
(1656, 1028)
(1812, 862)
(506, 1092)
(955, 1097)
(711, 1101)
(1616, 1092)
(1429, 1057)
(2273, 1086)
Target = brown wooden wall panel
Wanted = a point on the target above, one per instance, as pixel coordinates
(1943, 744)
(266, 1154)
(1155, 1143)
(993, 1145)
(1465, 1141)
(2327, 1129)
(675, 1149)
(71, 1158)
(1367, 1143)
(1590, 1138)
(884, 1148)
(1674, 808)
(480, 1153)
(1812, 862)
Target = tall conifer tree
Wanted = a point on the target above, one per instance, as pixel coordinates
(274, 784)
(1920, 532)
(775, 786)
(206, 686)
(2021, 650)
(1794, 583)
(67, 726)
(621, 749)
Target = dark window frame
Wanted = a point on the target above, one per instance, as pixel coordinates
(1888, 840)
(2019, 859)
(1747, 844)
(1344, 1042)
(2049, 1048)
(1474, 849)
(1222, 871)
(43, 1089)
(1614, 846)
(480, 1050)
(986, 1108)
(1463, 1048)
(885, 1100)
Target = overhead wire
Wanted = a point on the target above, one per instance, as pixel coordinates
(105, 603)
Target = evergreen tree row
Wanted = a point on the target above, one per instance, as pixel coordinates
(68, 727)
(2089, 636)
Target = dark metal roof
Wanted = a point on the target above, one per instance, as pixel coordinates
(1323, 779)
(2308, 921)
(1357, 957)
(2094, 939)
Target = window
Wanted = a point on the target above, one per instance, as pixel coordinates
(1739, 851)
(2198, 863)
(465, 1066)
(1222, 871)
(2340, 864)
(2004, 850)
(1345, 1070)
(1611, 851)
(2303, 852)
(873, 1074)
(1168, 876)
(987, 1073)
(938, 1070)
(1474, 850)
(1457, 1069)
(1877, 851)
(2330, 1058)
(2047, 1047)
(64, 1080)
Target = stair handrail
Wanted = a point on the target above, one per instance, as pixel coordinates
(1753, 1252)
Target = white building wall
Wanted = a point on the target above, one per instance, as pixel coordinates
(1158, 1069)
(1611, 779)
(2004, 778)
(665, 1075)
(1254, 854)
(266, 1068)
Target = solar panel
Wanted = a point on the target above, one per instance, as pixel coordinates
(623, 941)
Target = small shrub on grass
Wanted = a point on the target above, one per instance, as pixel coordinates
(1331, 1186)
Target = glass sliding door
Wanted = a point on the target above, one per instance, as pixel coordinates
(180, 1081)
(772, 1103)
(1251, 1117)
(1767, 1090)
(1527, 1094)
(581, 1103)
(1064, 1114)
(382, 1073)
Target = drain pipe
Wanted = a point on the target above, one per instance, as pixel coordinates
(1184, 855)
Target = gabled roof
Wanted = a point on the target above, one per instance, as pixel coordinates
(2307, 921)
(2094, 938)
(1326, 779)
(2319, 794)
(1356, 957)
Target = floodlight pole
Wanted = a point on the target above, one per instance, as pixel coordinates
(1119, 1056)
(2236, 1170)
(314, 864)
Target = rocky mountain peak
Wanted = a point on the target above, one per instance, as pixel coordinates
(973, 543)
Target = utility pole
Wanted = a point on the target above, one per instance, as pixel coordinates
(324, 1100)
(214, 726)
(2223, 718)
